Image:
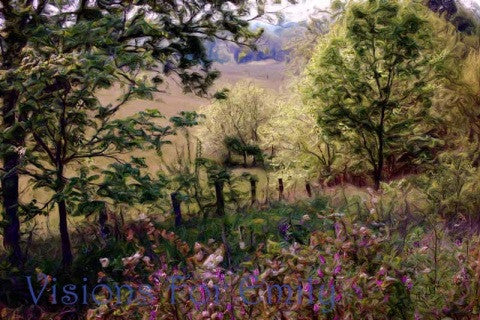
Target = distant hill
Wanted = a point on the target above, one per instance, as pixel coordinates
(464, 14)
(271, 45)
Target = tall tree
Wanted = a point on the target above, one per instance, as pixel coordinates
(170, 33)
(373, 79)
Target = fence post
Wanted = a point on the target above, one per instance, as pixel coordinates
(308, 187)
(253, 189)
(220, 200)
(176, 209)
(280, 189)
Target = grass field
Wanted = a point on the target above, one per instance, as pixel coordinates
(268, 74)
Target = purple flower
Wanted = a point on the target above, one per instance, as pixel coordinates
(153, 315)
(320, 273)
(357, 290)
(316, 308)
(322, 259)
(283, 229)
(337, 270)
(306, 287)
(338, 296)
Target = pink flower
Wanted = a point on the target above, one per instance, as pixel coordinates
(379, 282)
(336, 257)
(316, 308)
(320, 273)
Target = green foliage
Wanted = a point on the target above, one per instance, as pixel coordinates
(234, 123)
(372, 80)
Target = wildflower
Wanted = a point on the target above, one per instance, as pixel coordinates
(199, 256)
(320, 273)
(357, 290)
(214, 259)
(338, 296)
(382, 271)
(322, 259)
(307, 288)
(316, 308)
(337, 269)
(242, 245)
(153, 315)
(306, 217)
(197, 247)
(407, 282)
(104, 262)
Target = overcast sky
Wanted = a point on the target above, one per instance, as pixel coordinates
(305, 8)
(300, 11)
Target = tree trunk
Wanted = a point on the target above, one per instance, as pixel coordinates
(11, 161)
(67, 257)
(381, 142)
(176, 209)
(220, 200)
(377, 179)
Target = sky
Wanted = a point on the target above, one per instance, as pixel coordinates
(300, 11)
(305, 8)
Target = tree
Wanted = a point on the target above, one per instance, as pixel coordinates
(169, 33)
(373, 77)
(234, 120)
(69, 125)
